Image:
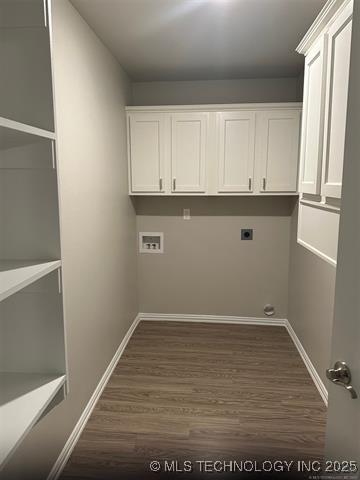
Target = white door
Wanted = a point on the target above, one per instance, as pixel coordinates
(146, 139)
(336, 102)
(188, 152)
(278, 147)
(343, 428)
(236, 151)
(313, 118)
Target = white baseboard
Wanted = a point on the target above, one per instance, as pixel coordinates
(282, 322)
(171, 317)
(308, 363)
(75, 434)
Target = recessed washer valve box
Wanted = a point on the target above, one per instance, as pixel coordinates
(151, 242)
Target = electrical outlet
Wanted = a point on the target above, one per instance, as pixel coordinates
(246, 234)
(186, 214)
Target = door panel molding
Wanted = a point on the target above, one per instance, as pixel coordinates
(278, 130)
(336, 103)
(313, 118)
(188, 152)
(236, 151)
(146, 143)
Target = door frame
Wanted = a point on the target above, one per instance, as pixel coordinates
(343, 422)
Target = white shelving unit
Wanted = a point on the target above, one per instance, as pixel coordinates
(33, 368)
(23, 400)
(25, 82)
(15, 134)
(16, 275)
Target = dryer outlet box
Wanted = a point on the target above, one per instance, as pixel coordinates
(246, 234)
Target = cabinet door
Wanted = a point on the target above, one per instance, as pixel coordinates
(146, 137)
(278, 139)
(339, 35)
(188, 152)
(313, 118)
(236, 152)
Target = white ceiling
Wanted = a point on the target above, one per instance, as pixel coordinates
(202, 39)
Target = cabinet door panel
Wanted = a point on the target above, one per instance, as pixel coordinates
(188, 152)
(279, 150)
(313, 118)
(236, 151)
(336, 103)
(146, 142)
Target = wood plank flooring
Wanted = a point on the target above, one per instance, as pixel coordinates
(201, 391)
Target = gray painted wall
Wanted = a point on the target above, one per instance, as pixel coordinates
(98, 227)
(311, 301)
(206, 268)
(211, 270)
(217, 91)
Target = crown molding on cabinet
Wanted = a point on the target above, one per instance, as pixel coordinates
(215, 107)
(320, 23)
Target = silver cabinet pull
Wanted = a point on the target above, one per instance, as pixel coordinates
(250, 183)
(161, 184)
(174, 184)
(341, 375)
(264, 183)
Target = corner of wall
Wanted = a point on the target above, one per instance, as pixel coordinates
(300, 86)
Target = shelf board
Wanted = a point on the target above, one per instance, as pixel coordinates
(321, 204)
(23, 399)
(17, 274)
(15, 134)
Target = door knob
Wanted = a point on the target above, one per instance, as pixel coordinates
(341, 375)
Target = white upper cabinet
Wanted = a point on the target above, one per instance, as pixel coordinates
(339, 35)
(278, 147)
(213, 149)
(188, 152)
(313, 118)
(236, 151)
(146, 144)
(327, 48)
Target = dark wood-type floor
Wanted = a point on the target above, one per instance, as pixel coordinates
(196, 391)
